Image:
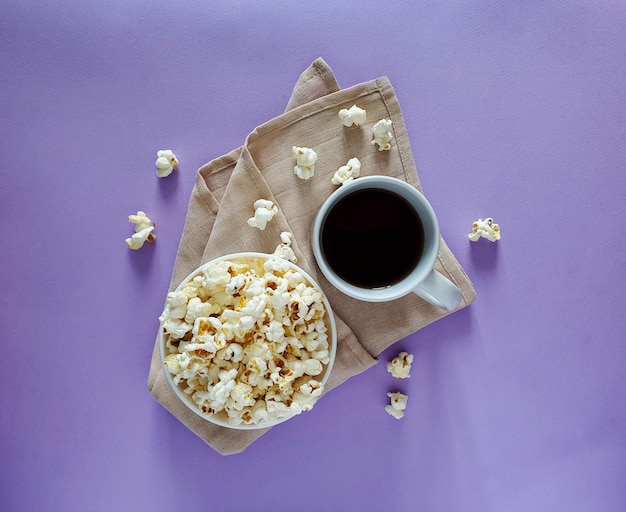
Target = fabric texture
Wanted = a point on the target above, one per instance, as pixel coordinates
(227, 187)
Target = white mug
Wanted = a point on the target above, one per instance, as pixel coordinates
(376, 239)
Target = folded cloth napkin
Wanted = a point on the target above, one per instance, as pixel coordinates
(262, 168)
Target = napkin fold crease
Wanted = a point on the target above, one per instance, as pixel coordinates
(222, 199)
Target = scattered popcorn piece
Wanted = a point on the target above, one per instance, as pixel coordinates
(353, 115)
(382, 134)
(264, 211)
(247, 339)
(305, 162)
(400, 366)
(284, 249)
(397, 406)
(485, 229)
(347, 173)
(166, 162)
(144, 228)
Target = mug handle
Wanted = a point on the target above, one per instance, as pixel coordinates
(440, 291)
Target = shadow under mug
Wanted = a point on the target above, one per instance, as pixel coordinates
(420, 278)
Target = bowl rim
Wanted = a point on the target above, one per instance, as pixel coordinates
(186, 399)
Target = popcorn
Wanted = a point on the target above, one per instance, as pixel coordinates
(284, 249)
(397, 406)
(247, 340)
(312, 367)
(219, 393)
(400, 366)
(382, 134)
(305, 162)
(259, 413)
(274, 331)
(307, 394)
(241, 396)
(485, 229)
(348, 172)
(176, 328)
(166, 162)
(231, 352)
(353, 115)
(176, 304)
(196, 308)
(207, 331)
(264, 211)
(144, 228)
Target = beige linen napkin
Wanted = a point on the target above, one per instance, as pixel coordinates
(262, 168)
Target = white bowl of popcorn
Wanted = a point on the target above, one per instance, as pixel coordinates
(248, 340)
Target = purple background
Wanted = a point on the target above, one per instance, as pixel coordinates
(515, 110)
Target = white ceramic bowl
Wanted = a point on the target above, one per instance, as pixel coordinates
(221, 418)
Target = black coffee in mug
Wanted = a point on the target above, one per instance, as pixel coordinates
(376, 239)
(372, 238)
